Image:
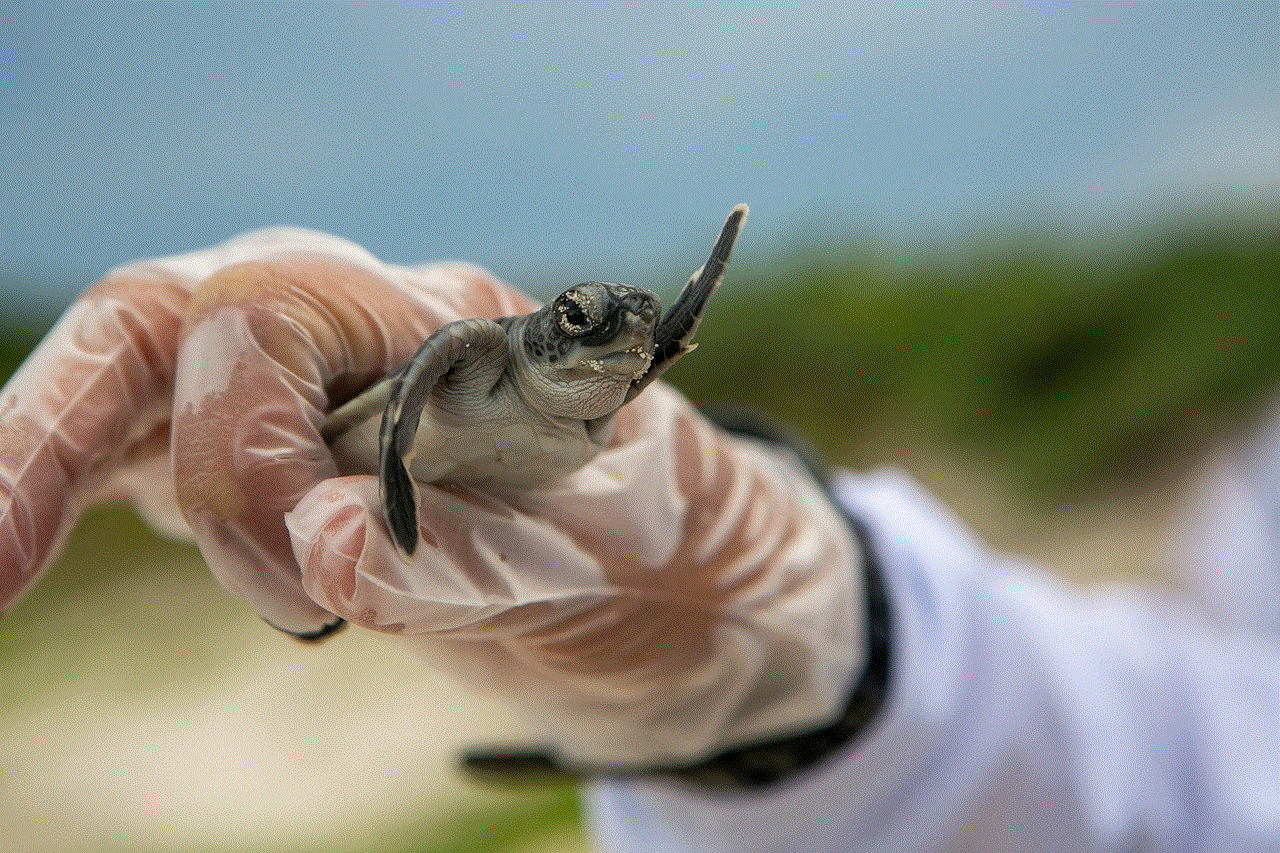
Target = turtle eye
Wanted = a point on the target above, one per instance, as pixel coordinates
(576, 314)
(573, 320)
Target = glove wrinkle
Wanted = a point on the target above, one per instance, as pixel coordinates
(71, 406)
(653, 607)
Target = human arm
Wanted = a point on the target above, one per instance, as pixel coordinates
(1022, 714)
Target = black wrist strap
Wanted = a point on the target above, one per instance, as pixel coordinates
(760, 764)
(767, 762)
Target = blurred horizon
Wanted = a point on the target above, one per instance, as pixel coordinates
(558, 143)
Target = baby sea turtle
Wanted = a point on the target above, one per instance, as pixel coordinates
(518, 402)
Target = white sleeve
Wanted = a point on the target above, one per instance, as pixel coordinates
(1023, 714)
(1230, 552)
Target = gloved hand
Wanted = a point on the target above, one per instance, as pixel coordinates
(683, 593)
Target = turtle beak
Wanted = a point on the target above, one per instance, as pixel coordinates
(640, 317)
(639, 326)
(633, 346)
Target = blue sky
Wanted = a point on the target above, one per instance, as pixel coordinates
(560, 142)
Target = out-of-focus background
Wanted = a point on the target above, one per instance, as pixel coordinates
(1030, 253)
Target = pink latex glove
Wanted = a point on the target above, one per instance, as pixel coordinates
(683, 593)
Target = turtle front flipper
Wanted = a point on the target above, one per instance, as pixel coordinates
(675, 331)
(473, 354)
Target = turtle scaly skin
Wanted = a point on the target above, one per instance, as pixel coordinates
(518, 402)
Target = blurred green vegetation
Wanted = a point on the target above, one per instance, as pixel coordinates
(1067, 365)
(1068, 368)
(14, 346)
(511, 822)
(517, 820)
(109, 549)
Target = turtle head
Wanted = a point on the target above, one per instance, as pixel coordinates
(580, 354)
